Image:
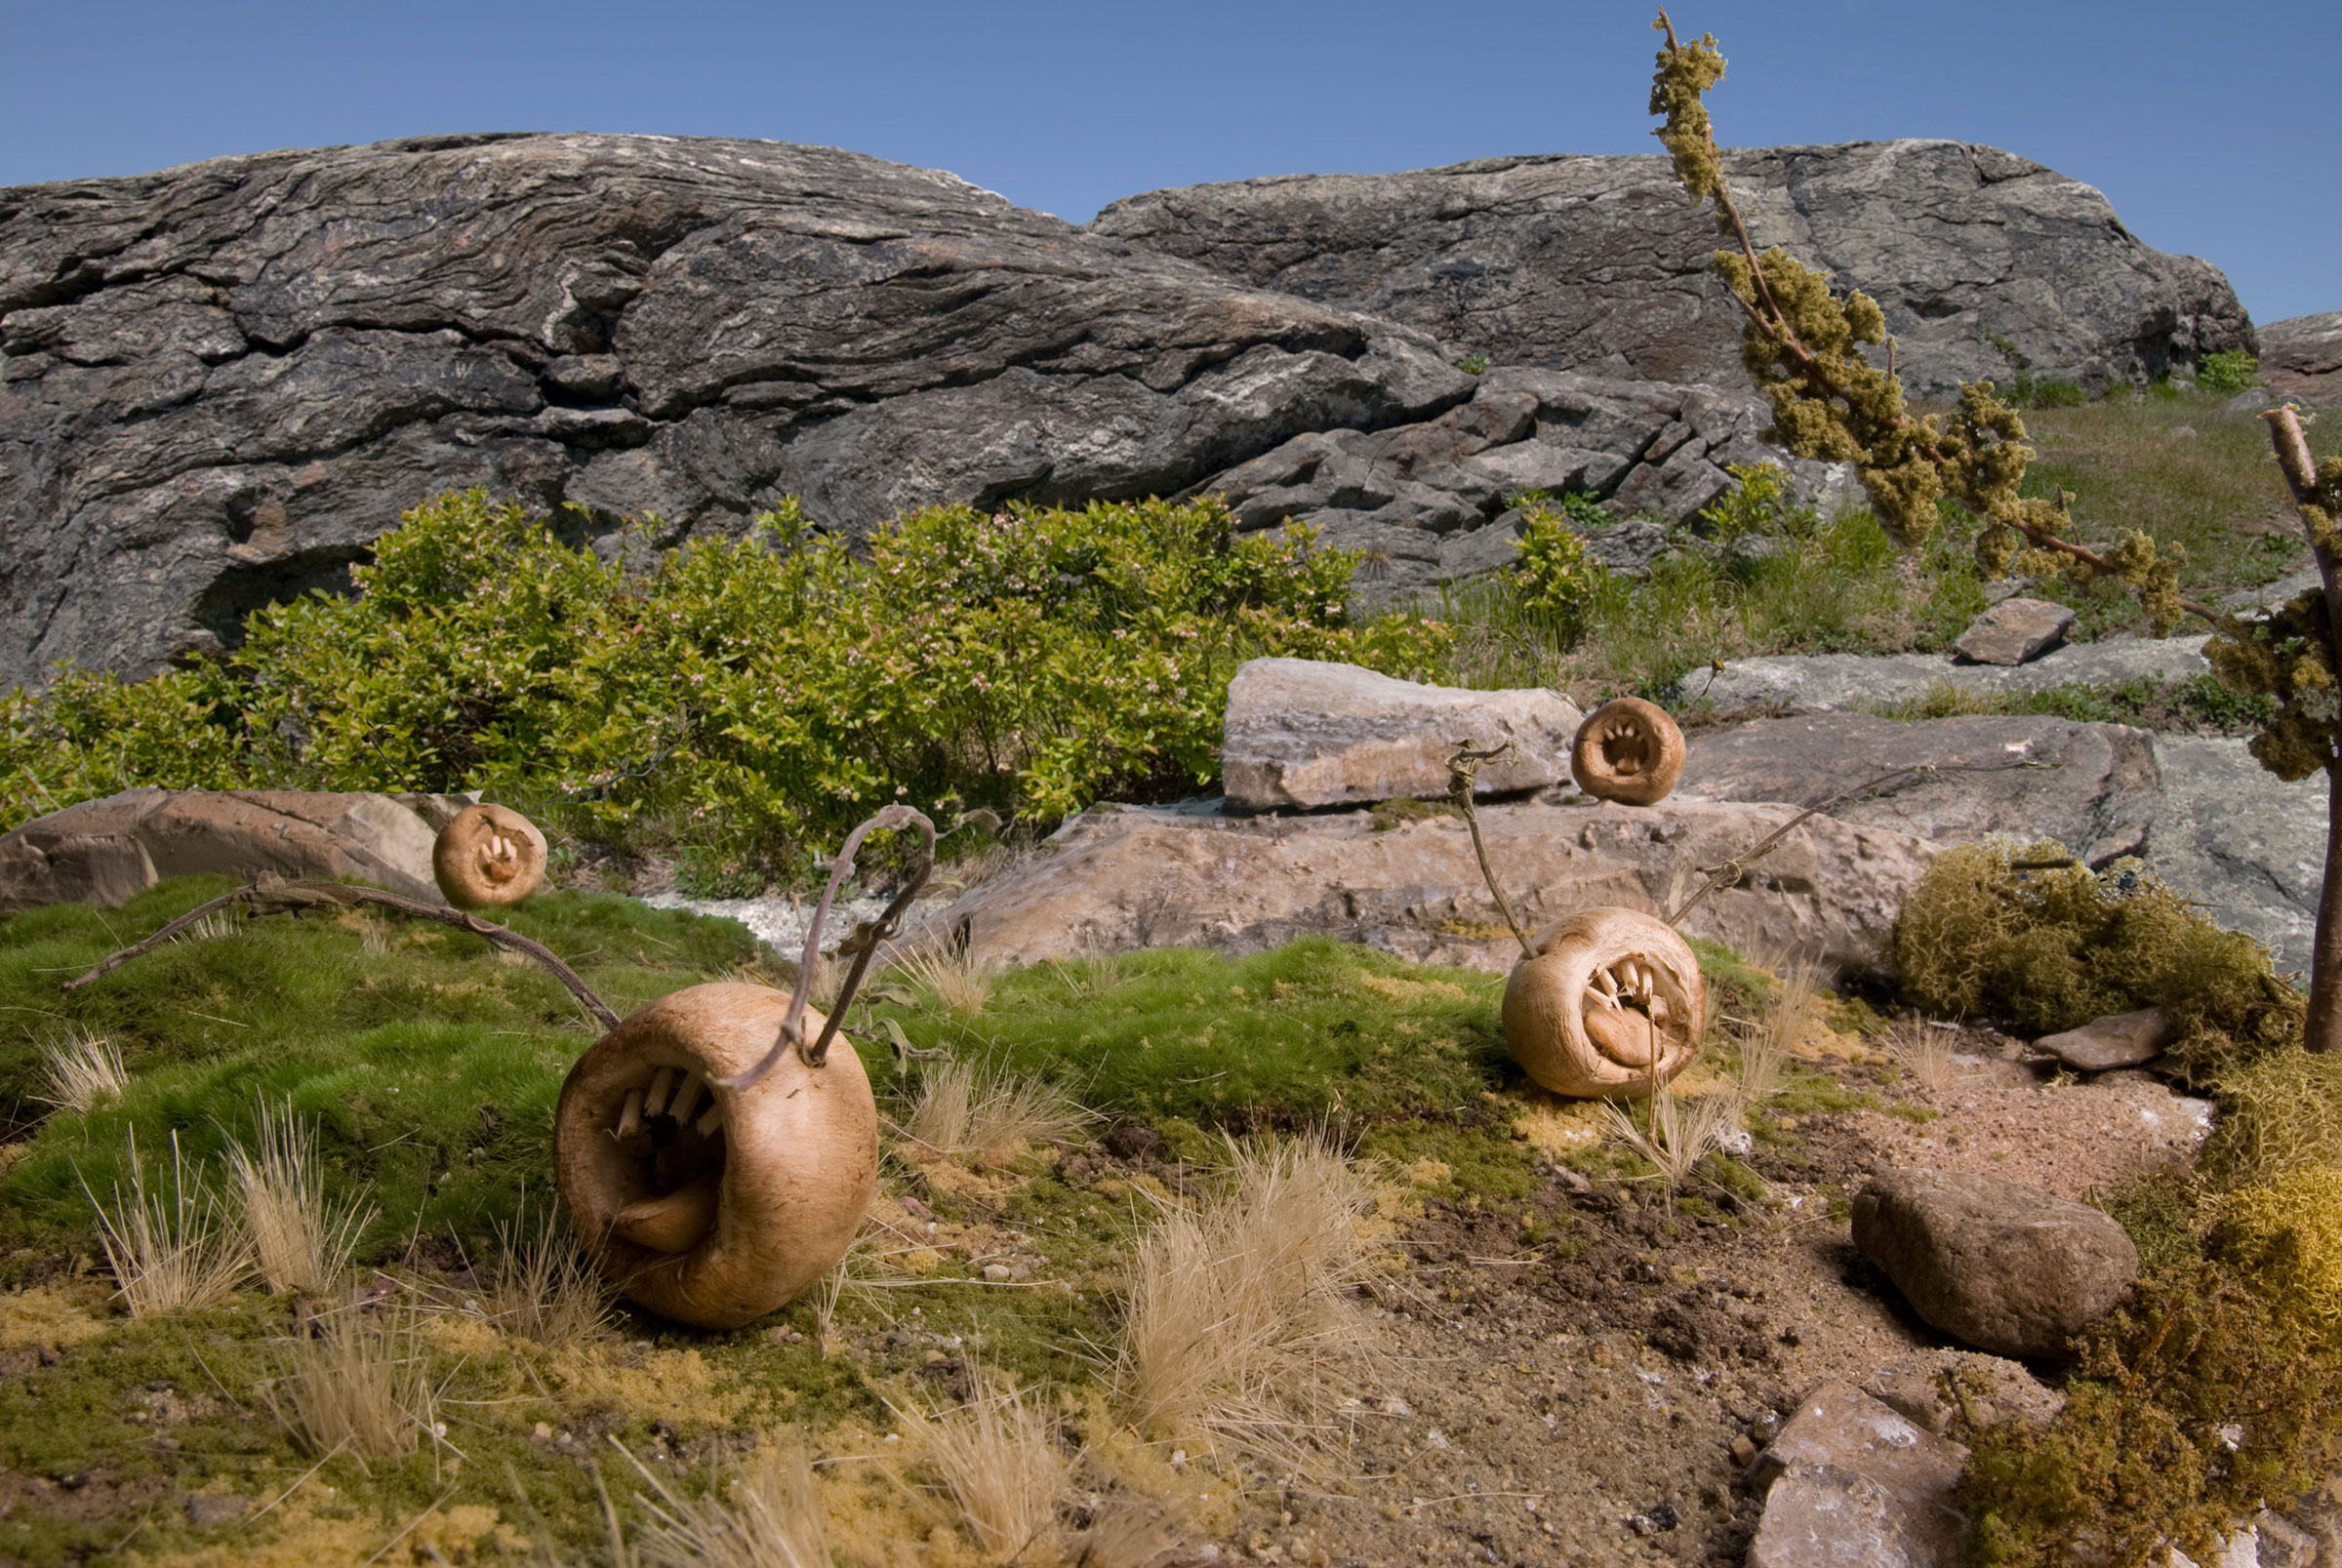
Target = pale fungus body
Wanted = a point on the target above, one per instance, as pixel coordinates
(707, 1205)
(1627, 750)
(488, 858)
(1611, 1005)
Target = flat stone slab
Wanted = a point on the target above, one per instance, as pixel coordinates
(2118, 1041)
(1122, 877)
(2014, 632)
(1830, 681)
(1853, 1481)
(1301, 732)
(106, 851)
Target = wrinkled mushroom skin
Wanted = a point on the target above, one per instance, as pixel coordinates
(488, 858)
(715, 1218)
(1627, 750)
(1607, 990)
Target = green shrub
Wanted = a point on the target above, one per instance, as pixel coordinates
(2054, 391)
(1559, 583)
(2285, 1233)
(746, 697)
(2052, 946)
(1473, 364)
(2191, 1405)
(1757, 503)
(2278, 1113)
(2232, 369)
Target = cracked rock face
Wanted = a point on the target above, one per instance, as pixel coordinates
(1600, 263)
(2301, 357)
(218, 383)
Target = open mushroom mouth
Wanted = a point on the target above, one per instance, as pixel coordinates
(669, 1138)
(1627, 1011)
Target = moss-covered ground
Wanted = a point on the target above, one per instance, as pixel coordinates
(428, 1065)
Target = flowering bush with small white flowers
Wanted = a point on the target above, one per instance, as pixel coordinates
(749, 697)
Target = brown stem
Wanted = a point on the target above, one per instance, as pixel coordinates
(792, 1021)
(272, 895)
(1463, 769)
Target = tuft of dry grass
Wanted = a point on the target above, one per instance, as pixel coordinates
(83, 1071)
(299, 1241)
(170, 1251)
(360, 1385)
(1765, 1049)
(997, 1456)
(1924, 1051)
(768, 1517)
(953, 977)
(542, 1287)
(1243, 1317)
(1674, 1135)
(963, 1107)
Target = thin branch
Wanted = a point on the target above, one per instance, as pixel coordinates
(792, 1021)
(273, 895)
(1732, 871)
(1463, 769)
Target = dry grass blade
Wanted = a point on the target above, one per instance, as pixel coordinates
(955, 978)
(1242, 1320)
(1925, 1052)
(83, 1071)
(1677, 1135)
(770, 1516)
(997, 1456)
(299, 1241)
(542, 1287)
(962, 1107)
(361, 1384)
(170, 1251)
(1766, 1050)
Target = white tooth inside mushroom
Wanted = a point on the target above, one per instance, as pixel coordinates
(629, 1116)
(709, 1123)
(687, 1097)
(662, 1083)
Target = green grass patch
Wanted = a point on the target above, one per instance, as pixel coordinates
(2196, 706)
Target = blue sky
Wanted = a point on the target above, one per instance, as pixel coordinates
(2214, 129)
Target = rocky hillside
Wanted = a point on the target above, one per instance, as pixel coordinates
(1984, 261)
(219, 384)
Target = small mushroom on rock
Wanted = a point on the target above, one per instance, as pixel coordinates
(1610, 1004)
(1627, 750)
(490, 857)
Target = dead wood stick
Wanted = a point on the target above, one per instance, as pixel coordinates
(272, 895)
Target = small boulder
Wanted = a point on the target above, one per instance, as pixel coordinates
(2118, 1041)
(1301, 732)
(2007, 1267)
(1990, 1389)
(106, 851)
(1853, 1481)
(2014, 630)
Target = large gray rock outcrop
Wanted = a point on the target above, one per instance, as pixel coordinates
(2301, 357)
(1600, 263)
(2003, 1266)
(1301, 732)
(1122, 877)
(2207, 817)
(218, 383)
(107, 852)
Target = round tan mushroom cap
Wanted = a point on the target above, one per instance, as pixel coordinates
(488, 858)
(741, 1200)
(1627, 750)
(1612, 1005)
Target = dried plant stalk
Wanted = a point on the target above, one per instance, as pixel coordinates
(300, 1242)
(172, 1251)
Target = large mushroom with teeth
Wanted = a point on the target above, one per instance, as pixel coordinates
(708, 1194)
(718, 1149)
(1627, 750)
(1608, 1004)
